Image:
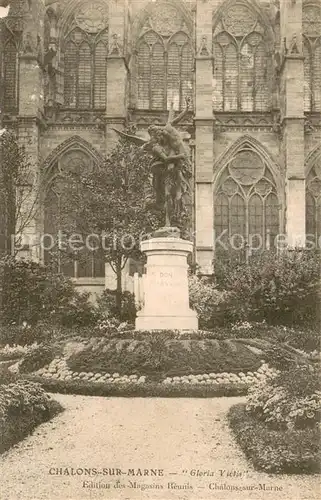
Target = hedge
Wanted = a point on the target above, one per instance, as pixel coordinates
(31, 292)
(288, 451)
(23, 406)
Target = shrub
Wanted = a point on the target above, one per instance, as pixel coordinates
(207, 301)
(23, 406)
(282, 289)
(291, 399)
(306, 339)
(78, 312)
(107, 305)
(44, 332)
(30, 292)
(279, 357)
(37, 358)
(292, 451)
(7, 377)
(26, 335)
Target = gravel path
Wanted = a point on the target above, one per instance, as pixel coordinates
(176, 437)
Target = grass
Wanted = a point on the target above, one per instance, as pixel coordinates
(294, 451)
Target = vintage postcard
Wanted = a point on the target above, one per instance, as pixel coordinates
(160, 249)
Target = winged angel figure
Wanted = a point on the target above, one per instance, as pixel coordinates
(171, 166)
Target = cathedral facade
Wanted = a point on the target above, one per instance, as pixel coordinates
(72, 70)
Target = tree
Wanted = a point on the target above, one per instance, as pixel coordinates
(114, 202)
(18, 192)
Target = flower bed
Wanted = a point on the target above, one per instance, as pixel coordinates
(23, 406)
(289, 399)
(275, 451)
(58, 377)
(13, 352)
(279, 427)
(159, 358)
(307, 339)
(37, 358)
(58, 369)
(155, 361)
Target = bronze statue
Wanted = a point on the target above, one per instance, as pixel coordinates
(171, 167)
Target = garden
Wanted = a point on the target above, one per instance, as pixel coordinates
(258, 338)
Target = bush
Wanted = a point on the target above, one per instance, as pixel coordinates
(291, 451)
(31, 292)
(26, 335)
(279, 357)
(291, 399)
(7, 377)
(107, 305)
(282, 289)
(157, 357)
(23, 406)
(37, 358)
(44, 332)
(305, 339)
(79, 312)
(207, 301)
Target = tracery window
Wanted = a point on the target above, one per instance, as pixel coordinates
(85, 50)
(313, 204)
(242, 65)
(10, 74)
(246, 205)
(46, 46)
(164, 60)
(61, 221)
(312, 57)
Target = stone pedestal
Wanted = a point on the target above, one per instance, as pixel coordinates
(166, 297)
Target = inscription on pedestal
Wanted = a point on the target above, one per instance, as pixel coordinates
(166, 294)
(165, 281)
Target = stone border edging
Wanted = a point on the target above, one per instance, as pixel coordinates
(58, 370)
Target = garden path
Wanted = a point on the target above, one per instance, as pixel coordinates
(177, 435)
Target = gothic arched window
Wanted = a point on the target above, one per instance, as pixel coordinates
(312, 57)
(10, 75)
(242, 65)
(164, 60)
(246, 205)
(313, 204)
(85, 50)
(61, 221)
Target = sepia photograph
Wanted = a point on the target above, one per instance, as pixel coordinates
(160, 249)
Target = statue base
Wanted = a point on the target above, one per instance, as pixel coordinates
(166, 297)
